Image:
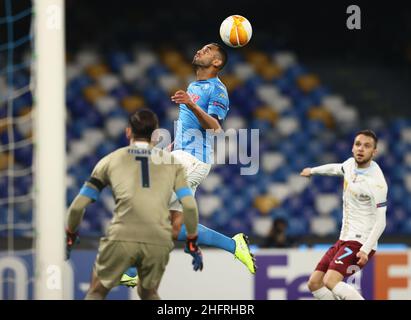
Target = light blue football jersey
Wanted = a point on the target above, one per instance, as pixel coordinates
(211, 96)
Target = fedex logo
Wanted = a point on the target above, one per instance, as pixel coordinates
(264, 283)
(285, 275)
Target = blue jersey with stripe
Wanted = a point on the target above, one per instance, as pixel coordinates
(211, 96)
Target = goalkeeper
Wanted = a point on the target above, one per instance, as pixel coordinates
(140, 233)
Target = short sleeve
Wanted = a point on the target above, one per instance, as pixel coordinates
(218, 103)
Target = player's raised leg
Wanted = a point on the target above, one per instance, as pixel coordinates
(238, 245)
(206, 236)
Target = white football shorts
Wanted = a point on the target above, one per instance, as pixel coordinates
(196, 172)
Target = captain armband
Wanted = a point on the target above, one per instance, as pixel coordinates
(183, 192)
(90, 192)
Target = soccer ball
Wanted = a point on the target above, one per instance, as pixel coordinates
(236, 31)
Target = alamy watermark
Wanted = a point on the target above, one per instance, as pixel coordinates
(354, 20)
(355, 276)
(230, 147)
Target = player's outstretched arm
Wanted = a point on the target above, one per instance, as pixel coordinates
(306, 172)
(206, 121)
(332, 169)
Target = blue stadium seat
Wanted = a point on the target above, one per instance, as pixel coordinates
(120, 92)
(3, 186)
(156, 71)
(153, 95)
(79, 83)
(294, 71)
(406, 227)
(79, 107)
(5, 139)
(297, 227)
(318, 94)
(117, 59)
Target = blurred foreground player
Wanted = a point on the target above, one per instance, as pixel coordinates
(203, 108)
(364, 208)
(140, 234)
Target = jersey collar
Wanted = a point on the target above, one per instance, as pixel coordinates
(359, 171)
(209, 79)
(141, 144)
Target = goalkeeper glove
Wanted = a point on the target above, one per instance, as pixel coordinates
(193, 249)
(71, 239)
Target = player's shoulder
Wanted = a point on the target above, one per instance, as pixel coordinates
(216, 85)
(119, 152)
(219, 85)
(115, 153)
(349, 162)
(377, 176)
(109, 158)
(219, 90)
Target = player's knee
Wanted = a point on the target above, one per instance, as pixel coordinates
(314, 285)
(329, 281)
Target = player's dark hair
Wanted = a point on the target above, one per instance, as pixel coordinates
(142, 123)
(222, 53)
(368, 133)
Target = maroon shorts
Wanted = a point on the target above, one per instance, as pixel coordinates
(342, 257)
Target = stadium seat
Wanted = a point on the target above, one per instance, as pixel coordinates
(323, 226)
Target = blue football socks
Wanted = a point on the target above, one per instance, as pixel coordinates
(210, 238)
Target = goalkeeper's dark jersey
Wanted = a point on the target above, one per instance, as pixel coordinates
(142, 190)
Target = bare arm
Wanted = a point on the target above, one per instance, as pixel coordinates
(206, 121)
